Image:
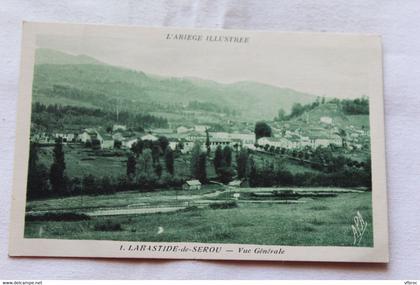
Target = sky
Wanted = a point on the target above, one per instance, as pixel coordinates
(318, 64)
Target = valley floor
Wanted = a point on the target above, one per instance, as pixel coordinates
(183, 216)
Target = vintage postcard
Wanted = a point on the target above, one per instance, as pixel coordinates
(199, 144)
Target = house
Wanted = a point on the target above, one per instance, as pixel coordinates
(88, 135)
(201, 128)
(42, 138)
(246, 139)
(107, 142)
(66, 137)
(325, 140)
(182, 130)
(219, 135)
(193, 136)
(118, 136)
(85, 137)
(173, 143)
(235, 183)
(129, 143)
(119, 128)
(276, 142)
(149, 137)
(162, 132)
(192, 185)
(326, 120)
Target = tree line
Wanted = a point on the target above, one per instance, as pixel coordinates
(146, 172)
(358, 106)
(54, 116)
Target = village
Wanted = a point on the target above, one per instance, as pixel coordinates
(183, 138)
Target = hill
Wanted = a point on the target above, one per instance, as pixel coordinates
(50, 56)
(334, 111)
(254, 101)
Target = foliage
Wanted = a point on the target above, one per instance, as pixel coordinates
(156, 151)
(224, 205)
(218, 159)
(281, 116)
(359, 106)
(52, 117)
(117, 144)
(107, 225)
(201, 168)
(208, 142)
(268, 176)
(57, 169)
(131, 165)
(57, 217)
(169, 160)
(242, 163)
(37, 185)
(194, 162)
(137, 147)
(262, 129)
(163, 142)
(226, 174)
(227, 156)
(145, 162)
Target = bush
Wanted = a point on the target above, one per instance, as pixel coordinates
(57, 217)
(223, 205)
(107, 226)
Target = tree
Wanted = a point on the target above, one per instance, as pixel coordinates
(57, 169)
(261, 130)
(281, 115)
(37, 185)
(131, 166)
(156, 150)
(207, 142)
(253, 175)
(106, 185)
(117, 144)
(90, 185)
(218, 159)
(195, 153)
(137, 147)
(242, 163)
(163, 142)
(96, 144)
(227, 156)
(225, 174)
(158, 169)
(201, 168)
(343, 135)
(297, 109)
(169, 160)
(146, 162)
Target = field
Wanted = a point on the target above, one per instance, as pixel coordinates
(311, 222)
(82, 161)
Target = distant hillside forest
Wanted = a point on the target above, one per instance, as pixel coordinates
(53, 117)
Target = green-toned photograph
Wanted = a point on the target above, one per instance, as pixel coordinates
(207, 139)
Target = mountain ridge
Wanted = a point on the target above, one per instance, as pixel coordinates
(254, 99)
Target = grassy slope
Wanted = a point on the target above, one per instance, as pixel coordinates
(319, 222)
(76, 166)
(333, 111)
(80, 161)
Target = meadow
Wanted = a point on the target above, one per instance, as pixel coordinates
(314, 222)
